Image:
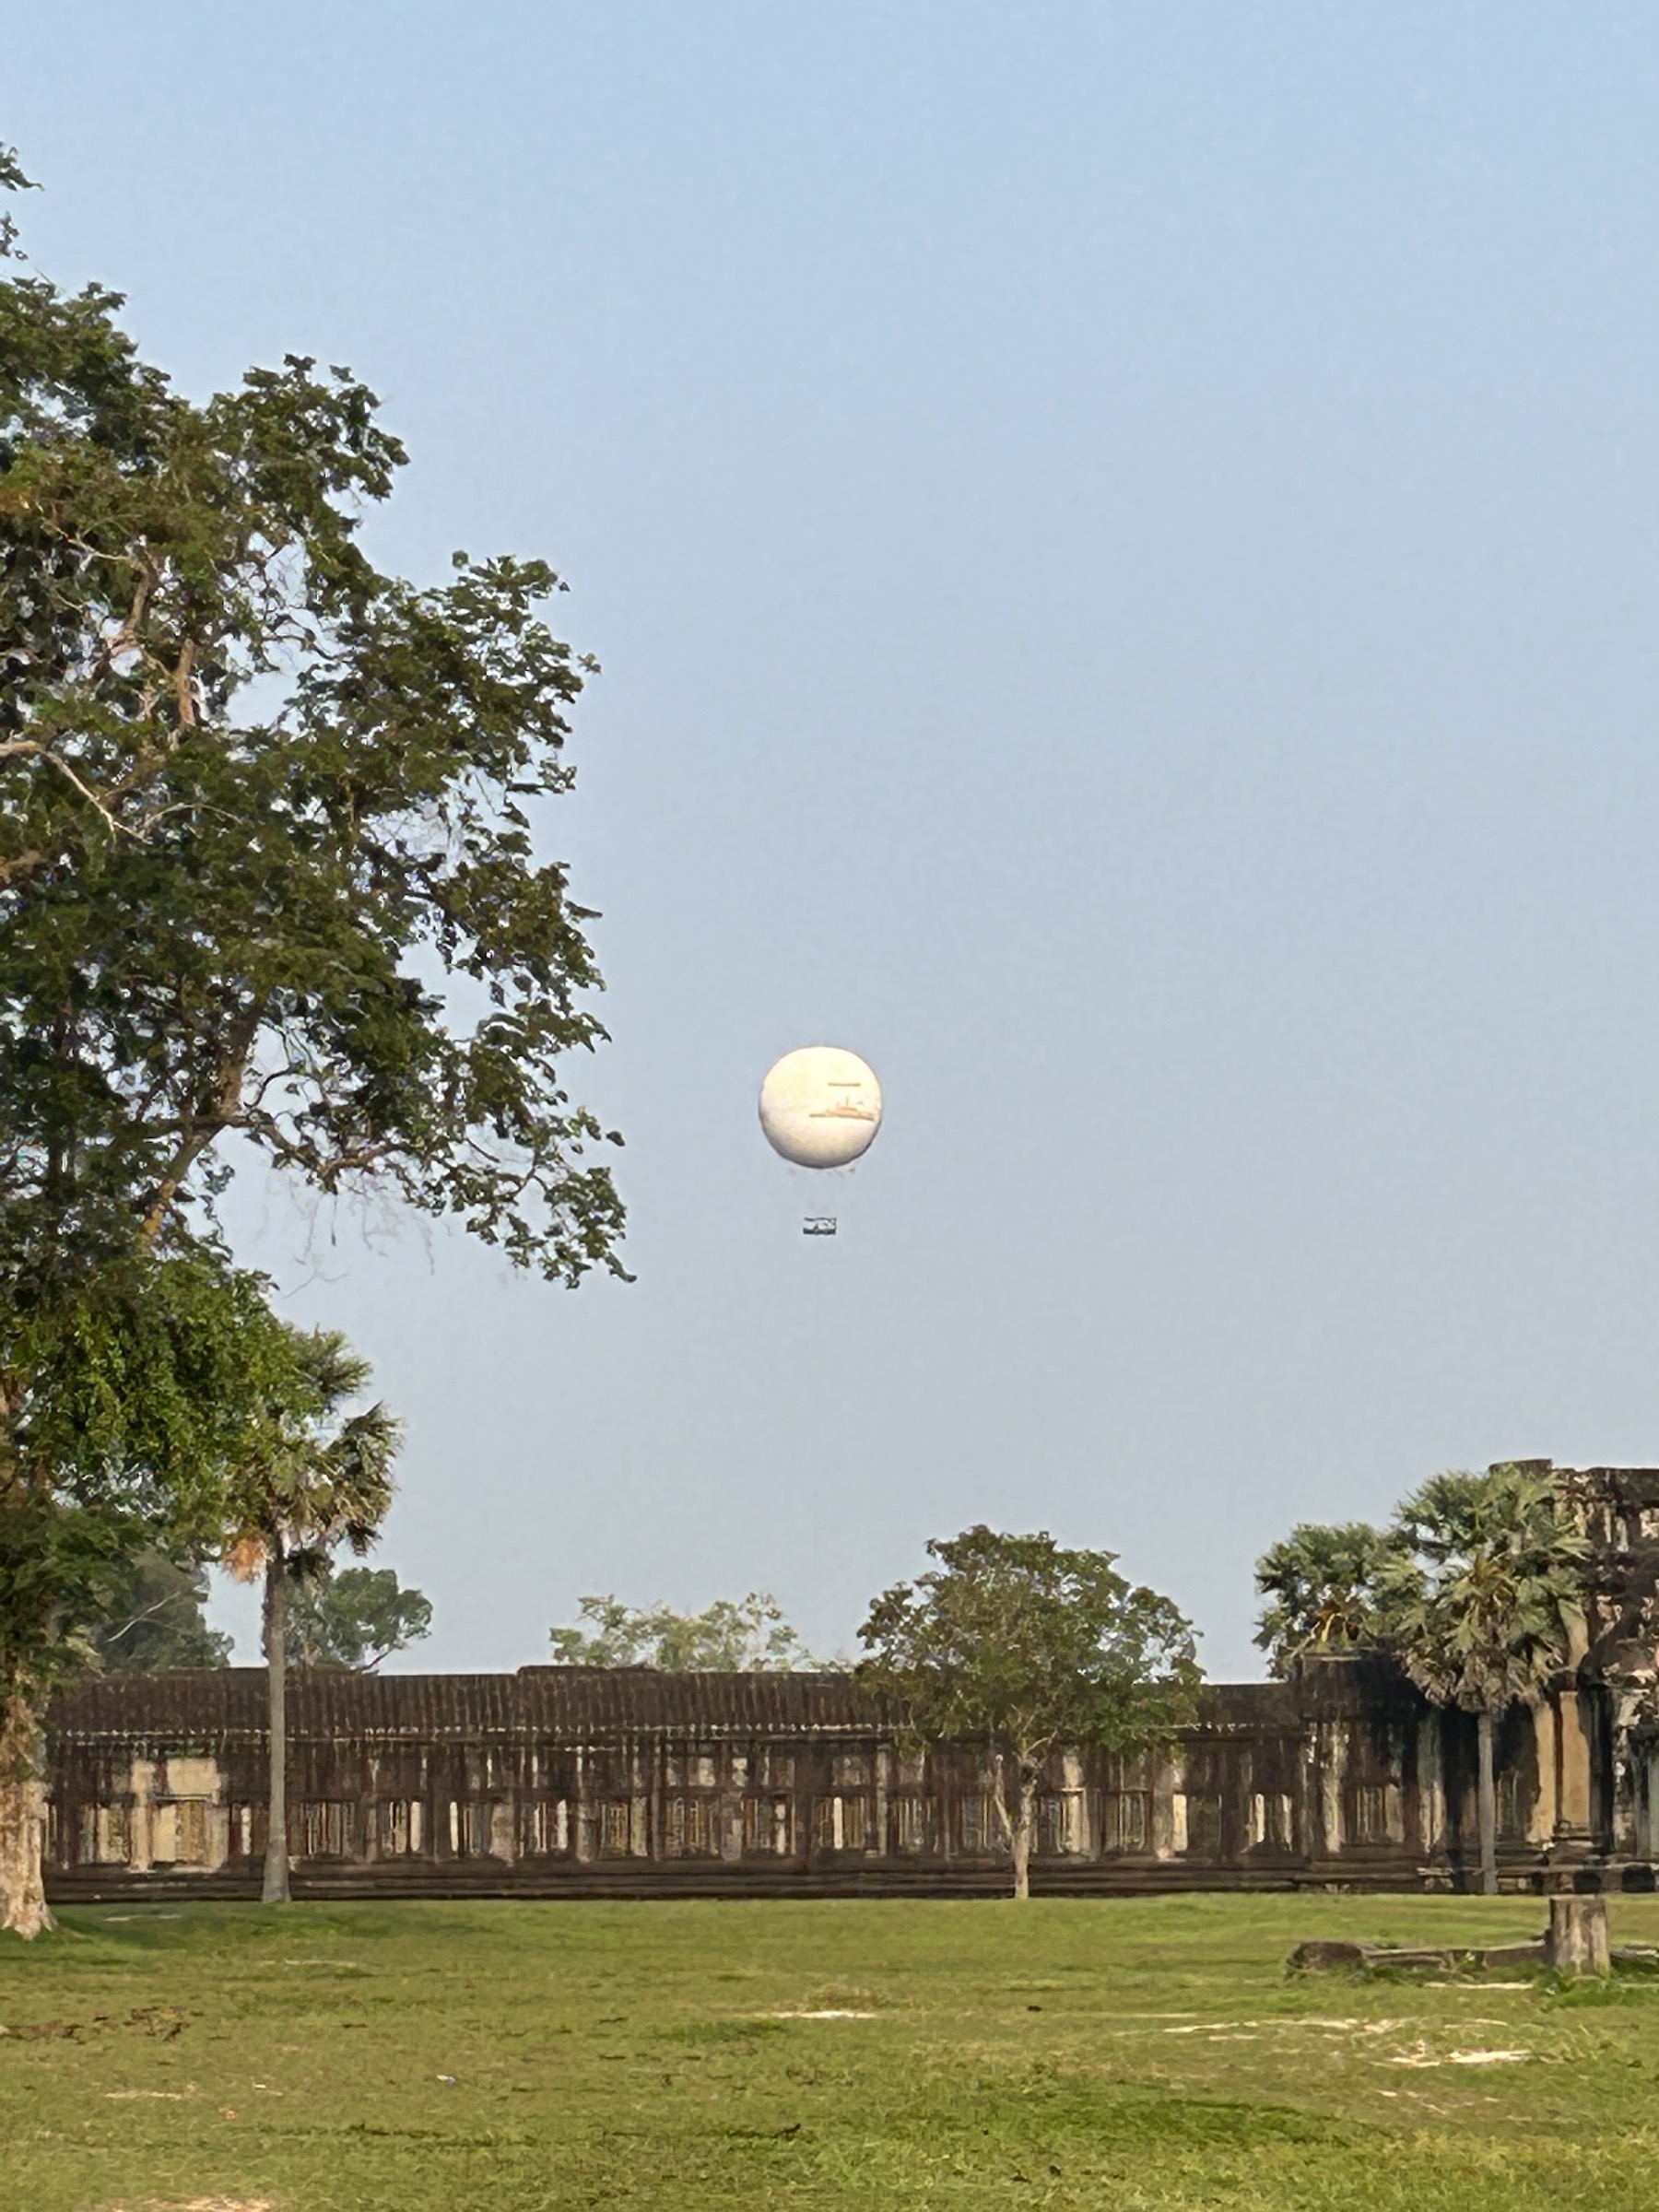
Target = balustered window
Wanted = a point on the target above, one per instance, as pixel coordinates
(691, 1828)
(1125, 1821)
(544, 1828)
(400, 1824)
(915, 1824)
(767, 1826)
(104, 1835)
(1203, 1824)
(979, 1825)
(324, 1828)
(1272, 1819)
(472, 1828)
(841, 1823)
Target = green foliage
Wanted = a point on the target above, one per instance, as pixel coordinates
(1480, 1597)
(11, 180)
(1013, 1642)
(125, 1402)
(316, 1477)
(733, 1635)
(266, 861)
(156, 1619)
(355, 1618)
(1320, 1585)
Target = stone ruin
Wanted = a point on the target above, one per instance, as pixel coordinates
(554, 1781)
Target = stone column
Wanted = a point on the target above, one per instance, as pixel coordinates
(141, 1816)
(1075, 1836)
(638, 1802)
(1431, 1785)
(584, 1813)
(1573, 1771)
(1169, 1809)
(1331, 1739)
(1545, 1811)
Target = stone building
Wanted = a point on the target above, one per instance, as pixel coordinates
(557, 1780)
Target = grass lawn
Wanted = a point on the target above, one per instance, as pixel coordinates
(848, 2055)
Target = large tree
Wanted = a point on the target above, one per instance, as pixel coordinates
(1320, 1585)
(1478, 1600)
(1016, 1648)
(268, 873)
(735, 1635)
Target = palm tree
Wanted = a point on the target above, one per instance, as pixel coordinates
(321, 1479)
(1479, 1600)
(1321, 1583)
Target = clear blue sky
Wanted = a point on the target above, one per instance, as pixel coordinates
(1124, 541)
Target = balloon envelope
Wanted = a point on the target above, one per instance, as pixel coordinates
(820, 1107)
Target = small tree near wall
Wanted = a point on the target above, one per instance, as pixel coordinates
(1015, 1647)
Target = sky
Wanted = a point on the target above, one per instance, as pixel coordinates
(1122, 544)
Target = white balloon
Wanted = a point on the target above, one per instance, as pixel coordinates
(820, 1107)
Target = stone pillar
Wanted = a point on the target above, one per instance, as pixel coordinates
(1622, 1791)
(503, 1830)
(1393, 1812)
(1075, 1836)
(1545, 1811)
(141, 1816)
(1572, 1769)
(1168, 1808)
(641, 1792)
(1331, 1737)
(735, 1781)
(1176, 1844)
(584, 1813)
(1430, 1787)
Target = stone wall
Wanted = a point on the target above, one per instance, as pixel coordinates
(627, 1781)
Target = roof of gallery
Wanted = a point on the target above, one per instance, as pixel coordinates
(553, 1701)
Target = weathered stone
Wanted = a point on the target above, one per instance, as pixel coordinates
(1577, 1942)
(1441, 1961)
(1515, 1954)
(1320, 1956)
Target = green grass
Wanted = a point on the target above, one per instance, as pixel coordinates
(1130, 2054)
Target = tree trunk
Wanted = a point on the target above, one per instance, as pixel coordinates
(1024, 1829)
(276, 1887)
(1488, 1797)
(23, 1907)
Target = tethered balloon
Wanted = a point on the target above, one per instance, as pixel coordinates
(820, 1107)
